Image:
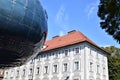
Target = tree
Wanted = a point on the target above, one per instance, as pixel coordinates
(113, 62)
(109, 13)
(114, 67)
(114, 51)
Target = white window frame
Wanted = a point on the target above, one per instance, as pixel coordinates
(104, 70)
(17, 73)
(55, 69)
(37, 70)
(77, 78)
(39, 58)
(24, 72)
(77, 52)
(91, 66)
(65, 67)
(56, 55)
(65, 52)
(46, 69)
(30, 71)
(98, 69)
(77, 66)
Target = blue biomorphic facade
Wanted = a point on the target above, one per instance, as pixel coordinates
(23, 28)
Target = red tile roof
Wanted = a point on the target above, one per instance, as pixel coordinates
(71, 38)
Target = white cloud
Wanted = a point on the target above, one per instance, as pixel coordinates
(60, 14)
(61, 33)
(62, 19)
(92, 8)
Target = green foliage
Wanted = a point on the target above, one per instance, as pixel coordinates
(109, 13)
(112, 50)
(113, 62)
(114, 67)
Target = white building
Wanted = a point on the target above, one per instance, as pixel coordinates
(69, 57)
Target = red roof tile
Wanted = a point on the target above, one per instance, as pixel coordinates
(72, 37)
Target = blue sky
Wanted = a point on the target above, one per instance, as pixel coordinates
(67, 15)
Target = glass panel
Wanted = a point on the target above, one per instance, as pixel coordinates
(28, 17)
(18, 12)
(5, 7)
(21, 1)
(31, 4)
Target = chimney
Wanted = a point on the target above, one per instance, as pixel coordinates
(55, 36)
(71, 31)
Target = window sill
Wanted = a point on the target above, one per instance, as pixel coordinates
(37, 74)
(77, 54)
(55, 73)
(56, 58)
(38, 61)
(45, 73)
(91, 71)
(77, 70)
(98, 73)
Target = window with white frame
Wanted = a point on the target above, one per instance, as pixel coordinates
(39, 57)
(69, 50)
(12, 73)
(76, 79)
(32, 61)
(46, 69)
(56, 55)
(30, 71)
(103, 70)
(23, 72)
(17, 73)
(90, 51)
(38, 70)
(98, 68)
(55, 68)
(77, 50)
(65, 67)
(46, 56)
(6, 74)
(53, 55)
(66, 52)
(76, 65)
(59, 53)
(91, 66)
